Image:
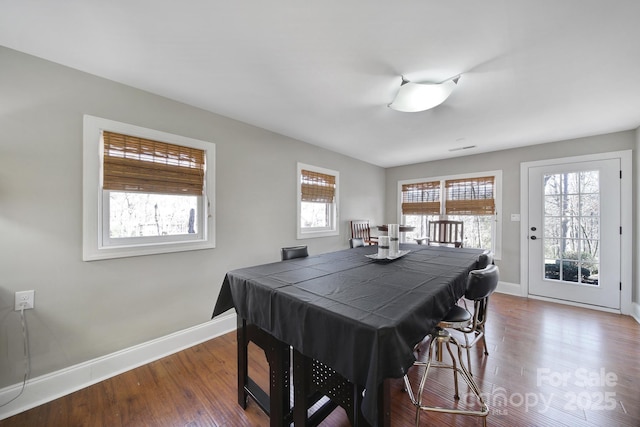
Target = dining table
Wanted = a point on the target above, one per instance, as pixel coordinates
(351, 311)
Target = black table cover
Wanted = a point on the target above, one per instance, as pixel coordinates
(359, 316)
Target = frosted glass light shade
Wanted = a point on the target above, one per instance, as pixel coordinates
(414, 97)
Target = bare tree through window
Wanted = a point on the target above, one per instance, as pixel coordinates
(572, 226)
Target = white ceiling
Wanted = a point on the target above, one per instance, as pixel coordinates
(323, 72)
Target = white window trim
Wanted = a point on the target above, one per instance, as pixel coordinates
(311, 233)
(92, 201)
(497, 250)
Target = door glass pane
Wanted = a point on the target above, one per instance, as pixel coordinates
(589, 204)
(571, 235)
(569, 271)
(553, 227)
(551, 249)
(552, 205)
(552, 184)
(570, 204)
(571, 182)
(589, 182)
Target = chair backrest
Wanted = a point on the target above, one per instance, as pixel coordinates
(481, 283)
(294, 252)
(446, 232)
(361, 230)
(485, 259)
(356, 242)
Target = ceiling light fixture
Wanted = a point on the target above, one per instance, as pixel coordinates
(414, 97)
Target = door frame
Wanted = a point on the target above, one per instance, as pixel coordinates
(626, 209)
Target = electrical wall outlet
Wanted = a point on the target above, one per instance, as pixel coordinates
(25, 299)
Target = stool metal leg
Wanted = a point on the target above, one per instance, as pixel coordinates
(456, 394)
(441, 338)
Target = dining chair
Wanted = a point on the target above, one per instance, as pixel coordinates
(361, 229)
(356, 242)
(445, 232)
(292, 252)
(480, 285)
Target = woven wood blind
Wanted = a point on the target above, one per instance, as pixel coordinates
(144, 165)
(318, 187)
(421, 198)
(470, 196)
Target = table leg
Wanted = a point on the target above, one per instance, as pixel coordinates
(277, 403)
(279, 357)
(301, 388)
(243, 376)
(384, 403)
(384, 406)
(306, 394)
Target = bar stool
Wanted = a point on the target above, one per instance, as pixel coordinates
(484, 259)
(457, 317)
(480, 285)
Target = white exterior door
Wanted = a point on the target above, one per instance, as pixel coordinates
(574, 232)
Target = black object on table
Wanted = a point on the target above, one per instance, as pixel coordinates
(401, 228)
(358, 316)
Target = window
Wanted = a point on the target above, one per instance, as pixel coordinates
(145, 191)
(474, 199)
(317, 202)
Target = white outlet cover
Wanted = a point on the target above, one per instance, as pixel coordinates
(25, 298)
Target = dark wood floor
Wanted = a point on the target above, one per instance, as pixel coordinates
(549, 365)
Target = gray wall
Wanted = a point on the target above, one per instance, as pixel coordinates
(88, 309)
(636, 225)
(509, 162)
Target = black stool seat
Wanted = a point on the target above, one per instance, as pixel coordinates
(456, 317)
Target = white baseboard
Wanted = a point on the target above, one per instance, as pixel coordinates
(509, 288)
(51, 386)
(575, 304)
(635, 311)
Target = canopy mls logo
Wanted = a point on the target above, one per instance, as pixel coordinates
(581, 377)
(596, 396)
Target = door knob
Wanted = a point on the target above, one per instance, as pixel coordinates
(533, 237)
